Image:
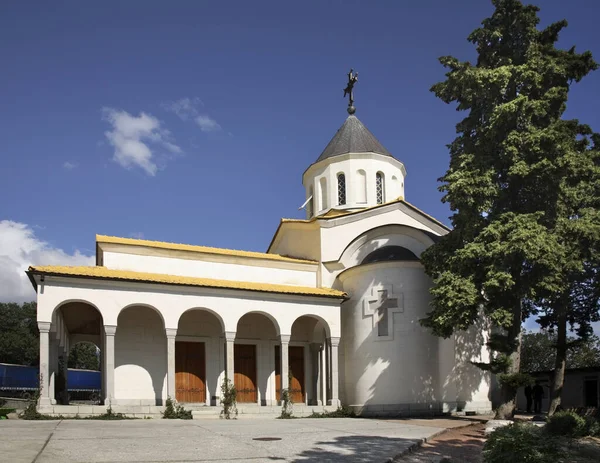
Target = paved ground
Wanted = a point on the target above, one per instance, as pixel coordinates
(301, 440)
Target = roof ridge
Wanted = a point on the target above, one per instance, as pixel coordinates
(198, 248)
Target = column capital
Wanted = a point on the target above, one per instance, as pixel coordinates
(44, 327)
(285, 338)
(110, 330)
(230, 336)
(335, 342)
(171, 332)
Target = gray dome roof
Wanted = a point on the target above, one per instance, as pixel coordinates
(353, 137)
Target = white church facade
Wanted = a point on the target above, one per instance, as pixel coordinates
(330, 311)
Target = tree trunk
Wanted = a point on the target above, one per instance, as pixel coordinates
(561, 360)
(506, 409)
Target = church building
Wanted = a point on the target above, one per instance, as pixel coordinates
(330, 311)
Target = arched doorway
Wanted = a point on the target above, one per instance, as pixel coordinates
(253, 366)
(307, 360)
(76, 324)
(140, 357)
(197, 365)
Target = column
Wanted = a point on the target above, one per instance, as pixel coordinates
(44, 328)
(323, 374)
(315, 369)
(229, 339)
(171, 334)
(53, 366)
(334, 343)
(285, 360)
(109, 363)
(65, 372)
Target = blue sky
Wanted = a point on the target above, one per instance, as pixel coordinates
(232, 101)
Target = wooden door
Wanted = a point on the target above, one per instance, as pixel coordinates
(296, 367)
(244, 364)
(190, 372)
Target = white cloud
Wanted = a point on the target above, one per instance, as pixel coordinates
(207, 124)
(20, 248)
(185, 108)
(133, 136)
(69, 165)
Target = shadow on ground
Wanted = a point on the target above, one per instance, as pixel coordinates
(355, 449)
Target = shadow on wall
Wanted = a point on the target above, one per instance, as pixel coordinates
(414, 367)
(140, 356)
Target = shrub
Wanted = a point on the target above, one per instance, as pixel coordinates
(228, 399)
(520, 443)
(341, 412)
(176, 412)
(592, 427)
(566, 423)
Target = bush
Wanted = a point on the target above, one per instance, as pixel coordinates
(341, 412)
(520, 443)
(592, 427)
(566, 423)
(228, 400)
(176, 412)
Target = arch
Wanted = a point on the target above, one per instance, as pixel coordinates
(395, 187)
(380, 187)
(389, 253)
(69, 301)
(318, 318)
(141, 304)
(414, 239)
(203, 309)
(341, 188)
(361, 186)
(140, 356)
(322, 193)
(260, 312)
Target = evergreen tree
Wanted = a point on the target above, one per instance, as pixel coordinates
(502, 184)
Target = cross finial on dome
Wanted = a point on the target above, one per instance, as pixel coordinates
(349, 90)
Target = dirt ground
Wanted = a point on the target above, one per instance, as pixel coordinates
(459, 445)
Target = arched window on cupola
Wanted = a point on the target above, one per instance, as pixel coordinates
(322, 194)
(309, 205)
(341, 187)
(380, 187)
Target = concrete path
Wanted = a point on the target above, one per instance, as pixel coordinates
(300, 440)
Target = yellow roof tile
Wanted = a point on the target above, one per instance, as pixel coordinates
(200, 249)
(143, 277)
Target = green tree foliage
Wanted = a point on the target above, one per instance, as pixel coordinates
(19, 337)
(84, 355)
(505, 166)
(538, 352)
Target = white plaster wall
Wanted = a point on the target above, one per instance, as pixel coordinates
(297, 240)
(349, 165)
(401, 370)
(140, 358)
(209, 269)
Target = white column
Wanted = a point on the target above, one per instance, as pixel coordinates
(65, 372)
(53, 366)
(334, 343)
(230, 339)
(323, 374)
(109, 363)
(285, 360)
(314, 369)
(171, 334)
(44, 328)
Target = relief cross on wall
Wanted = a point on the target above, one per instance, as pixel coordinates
(381, 307)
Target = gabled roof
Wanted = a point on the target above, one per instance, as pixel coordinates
(104, 273)
(353, 137)
(200, 249)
